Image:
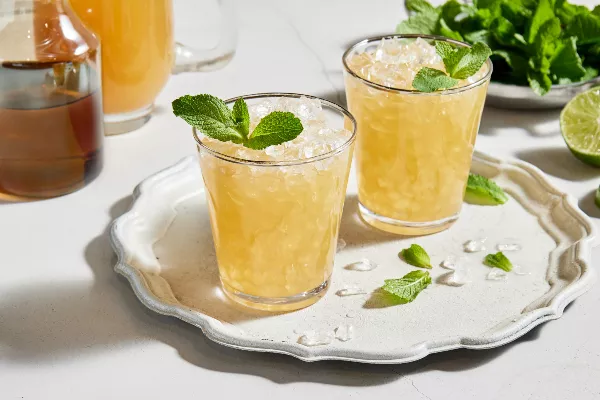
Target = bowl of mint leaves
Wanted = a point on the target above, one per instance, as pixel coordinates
(544, 52)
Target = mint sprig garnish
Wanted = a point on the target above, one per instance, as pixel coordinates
(407, 288)
(431, 79)
(460, 63)
(498, 260)
(484, 192)
(417, 256)
(211, 116)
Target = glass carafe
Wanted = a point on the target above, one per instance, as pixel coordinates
(139, 51)
(50, 101)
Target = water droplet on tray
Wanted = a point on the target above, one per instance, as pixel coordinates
(350, 291)
(316, 338)
(520, 270)
(508, 247)
(351, 314)
(344, 332)
(363, 265)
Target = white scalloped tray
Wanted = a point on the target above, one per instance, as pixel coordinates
(165, 250)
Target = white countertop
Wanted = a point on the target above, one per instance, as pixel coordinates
(71, 329)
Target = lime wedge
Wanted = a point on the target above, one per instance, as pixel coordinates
(580, 126)
(597, 198)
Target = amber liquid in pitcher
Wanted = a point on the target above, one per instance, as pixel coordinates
(50, 128)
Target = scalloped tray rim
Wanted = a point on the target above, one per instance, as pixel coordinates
(213, 328)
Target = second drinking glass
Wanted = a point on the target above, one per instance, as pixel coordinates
(414, 149)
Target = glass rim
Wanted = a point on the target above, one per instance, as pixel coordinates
(460, 89)
(281, 163)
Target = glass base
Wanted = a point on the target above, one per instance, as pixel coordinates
(116, 124)
(291, 303)
(404, 227)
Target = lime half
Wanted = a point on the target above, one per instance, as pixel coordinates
(580, 126)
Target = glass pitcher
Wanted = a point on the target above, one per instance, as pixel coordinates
(50, 101)
(139, 50)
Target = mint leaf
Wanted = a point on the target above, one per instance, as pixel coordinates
(586, 27)
(482, 35)
(498, 260)
(450, 55)
(546, 40)
(431, 79)
(446, 31)
(483, 191)
(543, 13)
(566, 63)
(566, 11)
(276, 128)
(407, 288)
(424, 23)
(596, 11)
(505, 33)
(209, 114)
(241, 116)
(590, 73)
(512, 58)
(419, 6)
(417, 256)
(540, 82)
(458, 16)
(462, 62)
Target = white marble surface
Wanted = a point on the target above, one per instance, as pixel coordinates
(71, 329)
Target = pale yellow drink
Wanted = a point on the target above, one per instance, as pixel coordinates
(414, 149)
(275, 213)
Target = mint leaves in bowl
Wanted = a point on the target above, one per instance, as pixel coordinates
(544, 52)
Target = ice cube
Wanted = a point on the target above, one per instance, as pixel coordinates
(363, 265)
(496, 274)
(350, 291)
(274, 151)
(344, 332)
(474, 246)
(449, 262)
(316, 338)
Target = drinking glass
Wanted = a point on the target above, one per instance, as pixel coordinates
(414, 149)
(275, 223)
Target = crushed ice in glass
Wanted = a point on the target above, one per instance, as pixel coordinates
(341, 244)
(363, 265)
(474, 246)
(350, 291)
(344, 332)
(496, 275)
(520, 270)
(508, 247)
(316, 338)
(395, 62)
(317, 137)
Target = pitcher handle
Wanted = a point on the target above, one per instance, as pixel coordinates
(189, 59)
